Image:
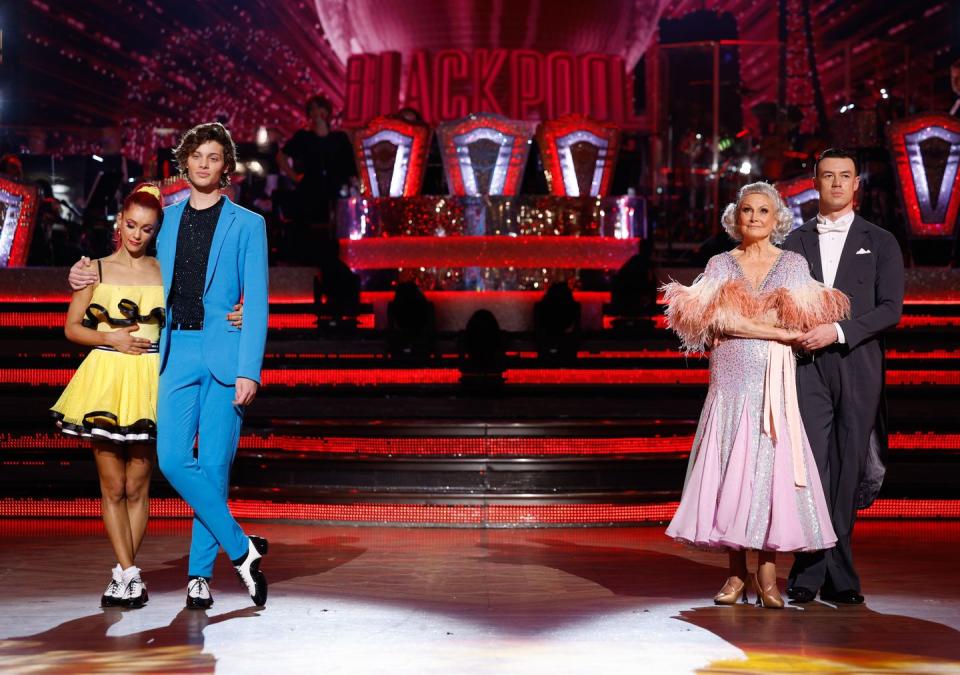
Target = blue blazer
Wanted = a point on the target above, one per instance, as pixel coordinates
(236, 268)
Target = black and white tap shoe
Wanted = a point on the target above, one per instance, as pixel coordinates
(198, 594)
(248, 570)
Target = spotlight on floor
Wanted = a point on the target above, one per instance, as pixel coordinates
(411, 323)
(482, 351)
(556, 324)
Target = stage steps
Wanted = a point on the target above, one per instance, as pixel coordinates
(342, 432)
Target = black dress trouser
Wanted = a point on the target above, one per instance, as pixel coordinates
(839, 393)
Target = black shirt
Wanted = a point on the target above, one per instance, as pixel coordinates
(326, 163)
(190, 266)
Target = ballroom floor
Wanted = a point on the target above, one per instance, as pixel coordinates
(376, 600)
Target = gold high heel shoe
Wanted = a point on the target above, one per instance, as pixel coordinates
(769, 597)
(733, 596)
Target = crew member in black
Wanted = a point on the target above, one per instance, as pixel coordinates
(320, 160)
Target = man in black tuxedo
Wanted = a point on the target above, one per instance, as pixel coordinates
(840, 385)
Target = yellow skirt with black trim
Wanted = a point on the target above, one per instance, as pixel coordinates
(113, 397)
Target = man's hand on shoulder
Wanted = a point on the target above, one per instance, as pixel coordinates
(82, 274)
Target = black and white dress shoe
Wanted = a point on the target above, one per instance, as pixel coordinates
(135, 596)
(198, 594)
(113, 594)
(248, 570)
(849, 597)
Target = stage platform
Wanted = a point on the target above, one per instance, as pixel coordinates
(376, 600)
(343, 432)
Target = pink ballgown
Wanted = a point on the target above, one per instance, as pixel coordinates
(752, 482)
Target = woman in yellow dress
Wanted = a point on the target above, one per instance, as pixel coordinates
(112, 398)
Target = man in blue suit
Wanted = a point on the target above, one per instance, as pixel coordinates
(212, 254)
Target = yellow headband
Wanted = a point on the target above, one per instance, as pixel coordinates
(152, 189)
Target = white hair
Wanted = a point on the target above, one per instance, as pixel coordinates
(784, 215)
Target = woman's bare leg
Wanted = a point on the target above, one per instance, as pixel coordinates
(139, 467)
(111, 468)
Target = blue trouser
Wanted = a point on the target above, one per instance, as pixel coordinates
(191, 400)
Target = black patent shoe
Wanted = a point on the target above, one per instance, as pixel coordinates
(800, 595)
(848, 597)
(259, 543)
(198, 594)
(248, 570)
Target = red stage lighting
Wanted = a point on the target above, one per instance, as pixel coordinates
(908, 141)
(19, 208)
(578, 155)
(391, 156)
(365, 377)
(492, 446)
(485, 154)
(493, 252)
(799, 194)
(454, 515)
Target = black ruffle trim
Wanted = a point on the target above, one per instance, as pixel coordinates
(131, 315)
(121, 435)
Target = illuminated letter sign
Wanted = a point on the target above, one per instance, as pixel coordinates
(595, 93)
(526, 83)
(486, 69)
(926, 150)
(418, 96)
(523, 83)
(391, 157)
(561, 93)
(373, 87)
(451, 71)
(485, 154)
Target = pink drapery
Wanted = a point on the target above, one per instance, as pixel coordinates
(371, 26)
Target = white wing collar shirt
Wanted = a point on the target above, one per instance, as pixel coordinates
(833, 235)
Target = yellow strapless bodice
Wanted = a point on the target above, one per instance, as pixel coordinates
(115, 306)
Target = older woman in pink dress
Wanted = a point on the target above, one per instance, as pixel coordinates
(752, 483)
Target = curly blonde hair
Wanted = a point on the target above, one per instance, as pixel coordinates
(784, 215)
